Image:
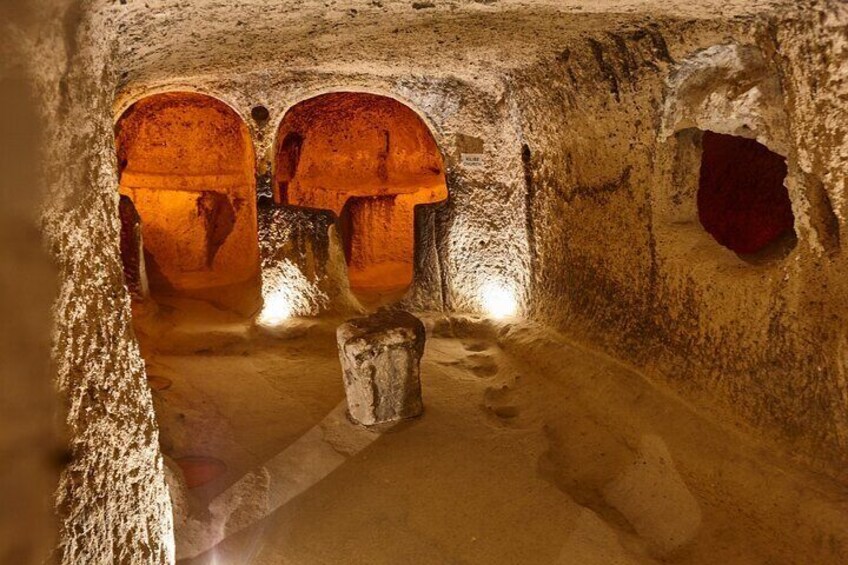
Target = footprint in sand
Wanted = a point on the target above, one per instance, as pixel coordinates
(475, 346)
(497, 402)
(481, 365)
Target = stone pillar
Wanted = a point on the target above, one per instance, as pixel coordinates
(380, 356)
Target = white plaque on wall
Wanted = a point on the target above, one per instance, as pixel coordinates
(472, 160)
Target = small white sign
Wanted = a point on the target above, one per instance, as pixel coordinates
(472, 160)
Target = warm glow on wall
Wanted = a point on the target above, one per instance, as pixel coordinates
(286, 292)
(186, 165)
(498, 300)
(277, 309)
(370, 160)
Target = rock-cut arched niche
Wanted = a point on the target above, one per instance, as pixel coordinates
(186, 167)
(370, 160)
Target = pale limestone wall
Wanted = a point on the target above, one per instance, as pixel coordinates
(450, 62)
(112, 502)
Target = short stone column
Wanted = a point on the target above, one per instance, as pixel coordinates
(381, 356)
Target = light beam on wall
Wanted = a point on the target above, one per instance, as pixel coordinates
(498, 300)
(277, 309)
(286, 292)
(170, 540)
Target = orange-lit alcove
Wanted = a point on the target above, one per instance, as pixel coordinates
(186, 161)
(370, 160)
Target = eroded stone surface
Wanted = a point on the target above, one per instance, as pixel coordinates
(380, 356)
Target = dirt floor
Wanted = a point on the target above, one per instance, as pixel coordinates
(530, 450)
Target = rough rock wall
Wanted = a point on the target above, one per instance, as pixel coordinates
(299, 262)
(621, 259)
(813, 56)
(447, 60)
(588, 117)
(112, 501)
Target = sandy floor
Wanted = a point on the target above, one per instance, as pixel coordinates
(531, 450)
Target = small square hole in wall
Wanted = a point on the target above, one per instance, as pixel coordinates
(742, 199)
(726, 194)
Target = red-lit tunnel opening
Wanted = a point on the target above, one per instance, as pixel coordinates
(186, 178)
(742, 200)
(370, 160)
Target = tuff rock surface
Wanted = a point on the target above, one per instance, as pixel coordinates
(380, 356)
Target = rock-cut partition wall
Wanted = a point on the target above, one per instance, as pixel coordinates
(364, 185)
(372, 162)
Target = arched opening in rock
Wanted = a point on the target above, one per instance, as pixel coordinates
(370, 160)
(742, 200)
(186, 173)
